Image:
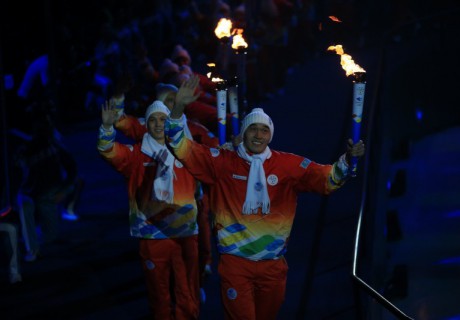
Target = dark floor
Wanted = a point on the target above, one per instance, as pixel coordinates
(95, 273)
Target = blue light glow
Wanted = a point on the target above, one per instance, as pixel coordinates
(453, 214)
(451, 260)
(457, 317)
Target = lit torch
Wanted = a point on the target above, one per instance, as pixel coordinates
(359, 85)
(221, 95)
(233, 102)
(223, 33)
(240, 46)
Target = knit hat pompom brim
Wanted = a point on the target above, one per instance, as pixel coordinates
(257, 115)
(156, 106)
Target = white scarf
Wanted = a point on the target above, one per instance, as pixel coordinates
(163, 188)
(256, 193)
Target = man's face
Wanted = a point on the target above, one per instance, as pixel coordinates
(156, 126)
(256, 138)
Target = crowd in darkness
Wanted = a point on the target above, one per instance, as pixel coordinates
(92, 45)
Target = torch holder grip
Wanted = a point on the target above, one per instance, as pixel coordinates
(221, 94)
(359, 86)
(233, 102)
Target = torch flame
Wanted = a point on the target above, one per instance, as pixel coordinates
(346, 61)
(211, 66)
(238, 40)
(335, 19)
(217, 79)
(223, 28)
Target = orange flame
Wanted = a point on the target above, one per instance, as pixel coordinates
(217, 79)
(211, 66)
(335, 19)
(346, 61)
(224, 26)
(238, 40)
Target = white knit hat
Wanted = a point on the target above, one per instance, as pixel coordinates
(257, 115)
(156, 106)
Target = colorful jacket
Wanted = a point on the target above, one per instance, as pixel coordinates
(148, 218)
(254, 236)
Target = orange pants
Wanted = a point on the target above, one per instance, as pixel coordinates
(171, 272)
(252, 290)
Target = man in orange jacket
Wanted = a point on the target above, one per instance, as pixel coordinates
(253, 194)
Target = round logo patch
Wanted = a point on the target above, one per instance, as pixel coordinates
(178, 164)
(214, 152)
(231, 293)
(272, 180)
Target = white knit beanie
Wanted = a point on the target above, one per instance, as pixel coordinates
(257, 115)
(156, 106)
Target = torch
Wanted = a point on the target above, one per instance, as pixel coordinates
(359, 85)
(221, 95)
(233, 101)
(222, 32)
(240, 46)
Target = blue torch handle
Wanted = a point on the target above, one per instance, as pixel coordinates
(235, 126)
(356, 132)
(222, 134)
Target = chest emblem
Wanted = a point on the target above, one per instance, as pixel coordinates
(178, 164)
(272, 180)
(214, 152)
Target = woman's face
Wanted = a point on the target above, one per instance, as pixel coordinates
(156, 126)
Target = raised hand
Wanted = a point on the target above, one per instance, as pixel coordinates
(186, 94)
(109, 114)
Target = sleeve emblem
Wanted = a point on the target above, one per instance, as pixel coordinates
(304, 164)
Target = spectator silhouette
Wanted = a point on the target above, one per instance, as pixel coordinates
(48, 175)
